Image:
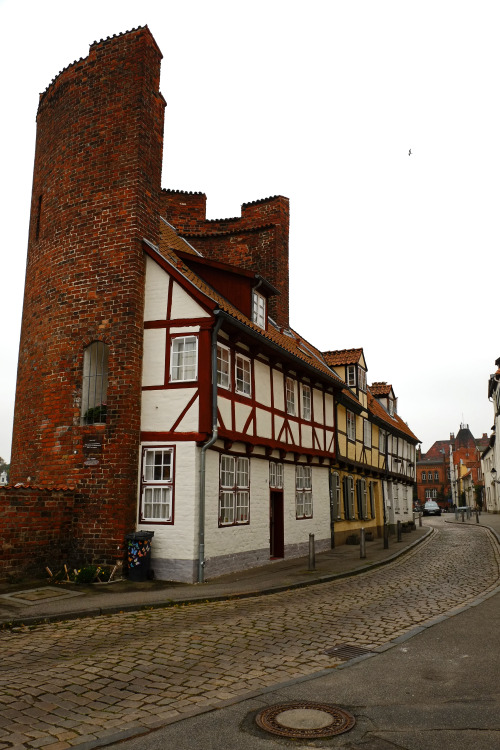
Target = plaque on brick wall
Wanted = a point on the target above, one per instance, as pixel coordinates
(92, 444)
(92, 447)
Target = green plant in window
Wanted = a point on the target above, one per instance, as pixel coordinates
(96, 414)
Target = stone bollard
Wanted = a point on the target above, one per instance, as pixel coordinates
(399, 531)
(362, 544)
(312, 555)
(456, 514)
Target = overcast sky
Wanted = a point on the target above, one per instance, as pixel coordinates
(319, 101)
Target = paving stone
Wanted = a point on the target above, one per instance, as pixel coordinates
(85, 680)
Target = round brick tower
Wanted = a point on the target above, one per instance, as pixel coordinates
(96, 187)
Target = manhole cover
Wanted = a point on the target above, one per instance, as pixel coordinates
(305, 720)
(43, 594)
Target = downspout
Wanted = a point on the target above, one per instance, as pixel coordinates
(203, 457)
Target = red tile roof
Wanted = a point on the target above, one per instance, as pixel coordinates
(395, 422)
(343, 357)
(380, 389)
(287, 339)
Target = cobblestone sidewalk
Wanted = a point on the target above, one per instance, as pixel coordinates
(87, 682)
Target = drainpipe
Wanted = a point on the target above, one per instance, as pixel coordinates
(203, 457)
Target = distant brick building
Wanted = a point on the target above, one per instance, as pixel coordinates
(440, 471)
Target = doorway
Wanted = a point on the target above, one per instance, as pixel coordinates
(276, 525)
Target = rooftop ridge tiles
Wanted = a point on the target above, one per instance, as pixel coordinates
(263, 200)
(182, 192)
(218, 232)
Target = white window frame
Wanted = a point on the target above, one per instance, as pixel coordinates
(303, 492)
(259, 310)
(351, 376)
(372, 499)
(367, 433)
(390, 407)
(234, 491)
(349, 506)
(95, 383)
(275, 475)
(306, 402)
(336, 496)
(243, 375)
(181, 368)
(362, 379)
(395, 497)
(223, 366)
(157, 484)
(362, 499)
(351, 425)
(382, 441)
(290, 396)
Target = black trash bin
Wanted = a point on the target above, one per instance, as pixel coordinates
(139, 554)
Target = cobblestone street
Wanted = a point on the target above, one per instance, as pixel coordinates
(72, 683)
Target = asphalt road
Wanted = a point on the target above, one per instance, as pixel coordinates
(91, 682)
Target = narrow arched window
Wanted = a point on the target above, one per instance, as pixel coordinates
(95, 383)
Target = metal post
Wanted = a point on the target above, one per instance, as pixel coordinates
(456, 514)
(420, 519)
(399, 530)
(477, 516)
(386, 536)
(362, 544)
(463, 516)
(312, 556)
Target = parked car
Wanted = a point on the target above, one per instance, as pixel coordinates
(431, 508)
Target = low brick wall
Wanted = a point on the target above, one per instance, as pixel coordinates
(36, 529)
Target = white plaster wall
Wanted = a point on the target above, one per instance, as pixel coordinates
(160, 410)
(329, 410)
(184, 306)
(264, 423)
(156, 291)
(306, 435)
(224, 405)
(278, 390)
(294, 428)
(297, 531)
(180, 539)
(318, 405)
(262, 383)
(153, 363)
(241, 414)
(237, 539)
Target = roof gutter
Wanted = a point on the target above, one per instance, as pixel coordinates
(204, 448)
(277, 348)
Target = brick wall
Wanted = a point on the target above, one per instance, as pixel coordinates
(36, 529)
(257, 240)
(96, 188)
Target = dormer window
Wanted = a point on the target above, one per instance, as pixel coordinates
(259, 310)
(351, 376)
(391, 406)
(362, 379)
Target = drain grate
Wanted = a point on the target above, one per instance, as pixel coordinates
(305, 720)
(345, 652)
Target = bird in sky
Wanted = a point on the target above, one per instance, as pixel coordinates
(409, 152)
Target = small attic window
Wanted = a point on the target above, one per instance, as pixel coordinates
(259, 310)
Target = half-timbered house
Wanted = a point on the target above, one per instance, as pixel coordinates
(160, 381)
